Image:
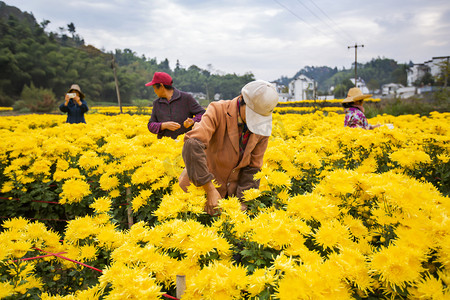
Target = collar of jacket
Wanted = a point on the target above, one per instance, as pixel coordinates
(233, 131)
(232, 123)
(175, 96)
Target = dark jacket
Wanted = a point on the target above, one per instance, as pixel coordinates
(75, 112)
(178, 109)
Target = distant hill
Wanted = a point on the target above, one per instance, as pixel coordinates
(375, 73)
(7, 11)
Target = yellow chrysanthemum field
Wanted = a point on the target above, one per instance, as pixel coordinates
(93, 211)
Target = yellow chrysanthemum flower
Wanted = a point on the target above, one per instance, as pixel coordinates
(332, 234)
(88, 253)
(74, 190)
(259, 280)
(6, 289)
(409, 158)
(101, 205)
(397, 266)
(108, 183)
(141, 199)
(429, 288)
(126, 280)
(251, 194)
(217, 281)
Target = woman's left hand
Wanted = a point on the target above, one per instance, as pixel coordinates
(188, 122)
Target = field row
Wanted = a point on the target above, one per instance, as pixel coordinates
(341, 213)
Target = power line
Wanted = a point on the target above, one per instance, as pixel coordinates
(337, 26)
(318, 17)
(301, 19)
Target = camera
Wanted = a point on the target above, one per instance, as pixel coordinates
(72, 95)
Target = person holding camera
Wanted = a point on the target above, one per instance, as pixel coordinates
(74, 105)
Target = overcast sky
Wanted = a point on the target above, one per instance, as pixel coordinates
(269, 38)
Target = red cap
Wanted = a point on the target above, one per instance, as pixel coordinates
(160, 77)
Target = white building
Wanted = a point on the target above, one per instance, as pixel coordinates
(360, 84)
(282, 96)
(390, 88)
(406, 92)
(433, 66)
(302, 88)
(416, 72)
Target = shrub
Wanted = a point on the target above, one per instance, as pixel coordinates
(5, 100)
(38, 99)
(141, 105)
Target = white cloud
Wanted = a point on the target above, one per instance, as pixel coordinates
(239, 36)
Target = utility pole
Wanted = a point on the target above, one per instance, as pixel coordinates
(356, 61)
(113, 66)
(446, 72)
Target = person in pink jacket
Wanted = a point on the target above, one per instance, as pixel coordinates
(354, 110)
(229, 143)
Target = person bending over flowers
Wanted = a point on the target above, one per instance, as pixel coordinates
(229, 143)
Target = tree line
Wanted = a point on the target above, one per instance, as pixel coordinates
(34, 62)
(32, 59)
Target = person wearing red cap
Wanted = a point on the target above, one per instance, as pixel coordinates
(174, 112)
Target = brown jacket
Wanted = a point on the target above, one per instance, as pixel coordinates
(211, 151)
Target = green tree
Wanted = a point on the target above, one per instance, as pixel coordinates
(341, 90)
(443, 77)
(71, 28)
(399, 75)
(426, 79)
(373, 84)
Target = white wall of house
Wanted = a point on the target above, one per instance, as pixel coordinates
(434, 65)
(416, 72)
(301, 88)
(390, 88)
(282, 97)
(406, 92)
(361, 85)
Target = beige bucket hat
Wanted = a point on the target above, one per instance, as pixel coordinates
(355, 94)
(76, 87)
(260, 98)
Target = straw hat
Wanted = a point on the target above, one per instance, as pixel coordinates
(355, 94)
(76, 87)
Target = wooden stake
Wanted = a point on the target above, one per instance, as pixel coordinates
(181, 285)
(113, 65)
(129, 211)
